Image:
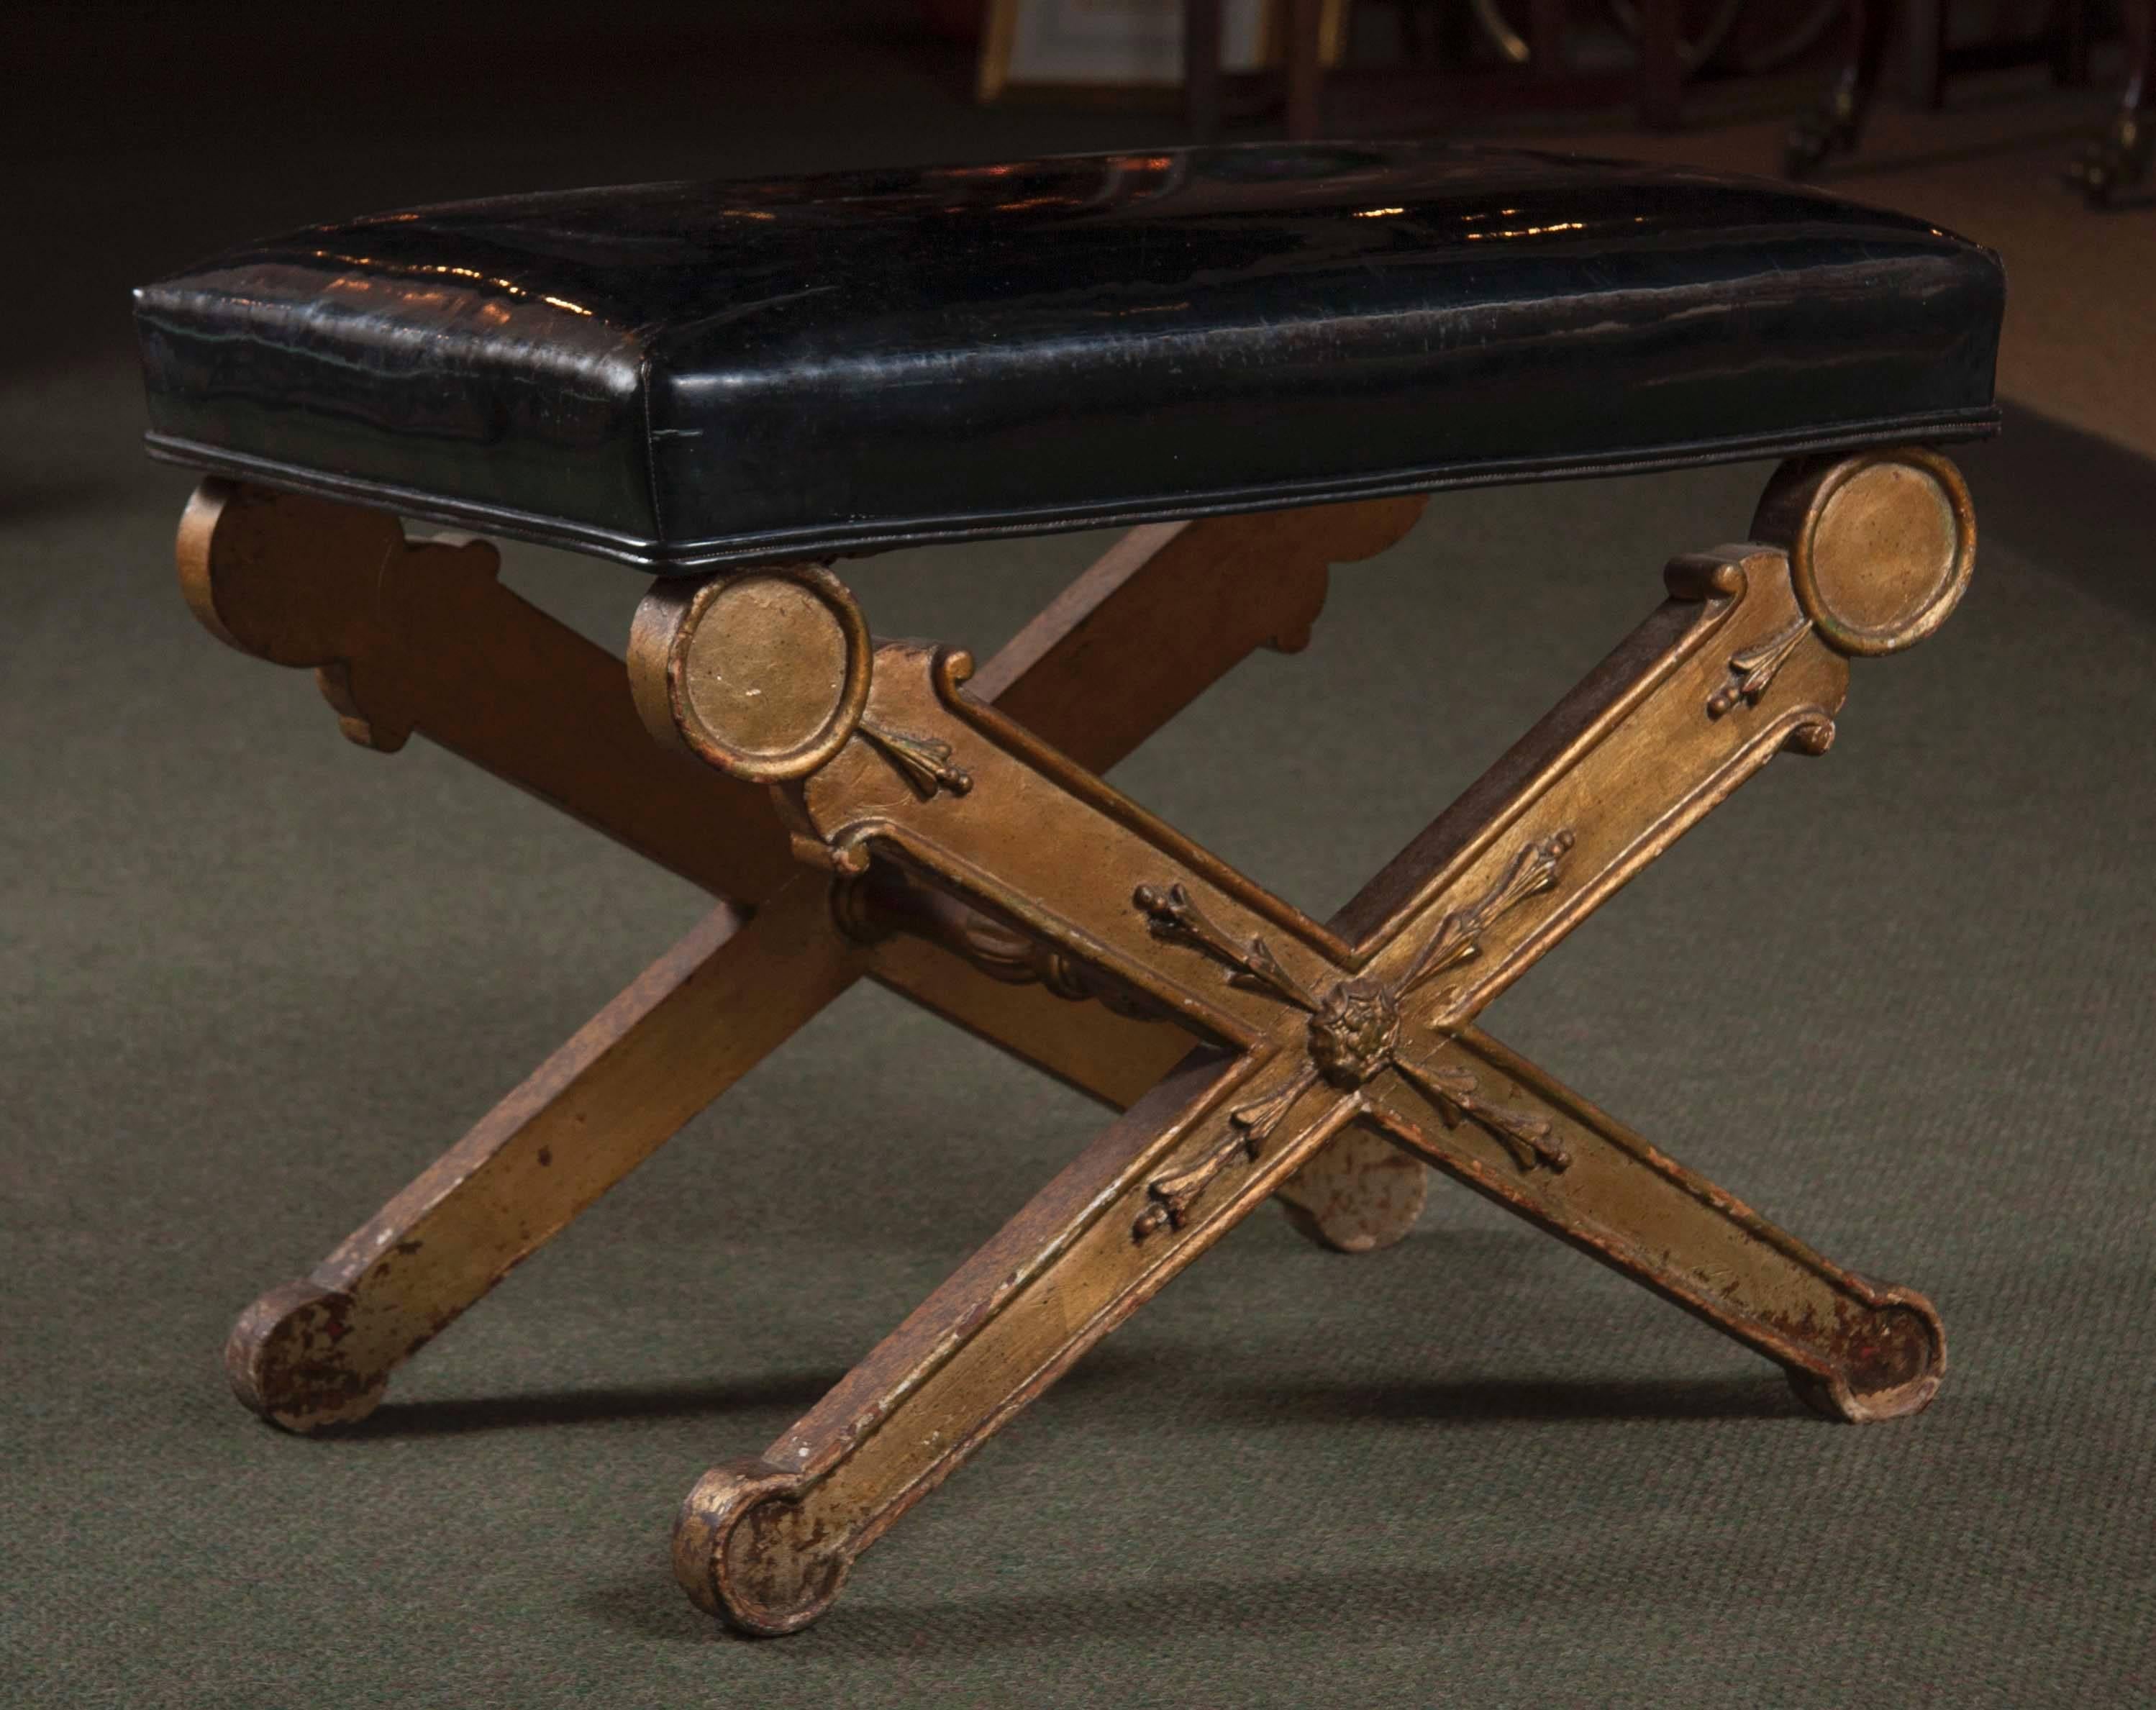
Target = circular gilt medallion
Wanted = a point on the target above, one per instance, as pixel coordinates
(767, 673)
(1885, 551)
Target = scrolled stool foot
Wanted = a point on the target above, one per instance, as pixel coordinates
(1896, 1365)
(285, 1362)
(738, 1558)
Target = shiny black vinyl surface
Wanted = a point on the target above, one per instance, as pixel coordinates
(702, 373)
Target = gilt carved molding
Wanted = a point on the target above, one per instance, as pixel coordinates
(1355, 1029)
(923, 761)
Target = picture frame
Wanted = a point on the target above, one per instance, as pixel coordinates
(1106, 45)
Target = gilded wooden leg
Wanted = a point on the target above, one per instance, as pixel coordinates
(1853, 1350)
(319, 1352)
(421, 635)
(1316, 1030)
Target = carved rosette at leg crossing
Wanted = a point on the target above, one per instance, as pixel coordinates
(1355, 1029)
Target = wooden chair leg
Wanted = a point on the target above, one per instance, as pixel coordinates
(1661, 66)
(2118, 158)
(1926, 31)
(1367, 1021)
(1305, 70)
(1839, 125)
(1201, 68)
(420, 636)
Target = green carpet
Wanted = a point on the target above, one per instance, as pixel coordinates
(252, 978)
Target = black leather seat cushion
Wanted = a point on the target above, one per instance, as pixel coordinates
(688, 374)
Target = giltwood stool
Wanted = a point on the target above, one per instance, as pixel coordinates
(1258, 359)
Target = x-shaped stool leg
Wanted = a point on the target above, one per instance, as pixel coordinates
(420, 636)
(894, 779)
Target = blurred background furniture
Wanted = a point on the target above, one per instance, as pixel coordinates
(2118, 158)
(1456, 62)
(1521, 46)
(2062, 42)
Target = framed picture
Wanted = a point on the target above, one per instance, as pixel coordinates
(1124, 43)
